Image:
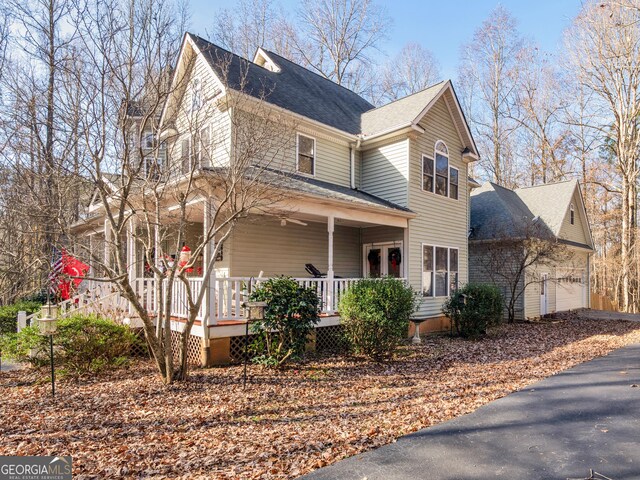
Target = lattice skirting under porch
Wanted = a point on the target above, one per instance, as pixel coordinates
(194, 348)
(328, 340)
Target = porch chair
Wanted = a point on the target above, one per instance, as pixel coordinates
(312, 270)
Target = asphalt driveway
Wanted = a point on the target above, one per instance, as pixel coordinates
(586, 418)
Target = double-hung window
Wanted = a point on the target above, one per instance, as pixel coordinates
(427, 174)
(437, 175)
(196, 95)
(439, 271)
(306, 153)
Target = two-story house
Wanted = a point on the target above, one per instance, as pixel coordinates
(375, 191)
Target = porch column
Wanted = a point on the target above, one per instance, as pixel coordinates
(209, 282)
(330, 275)
(107, 244)
(131, 251)
(92, 270)
(132, 260)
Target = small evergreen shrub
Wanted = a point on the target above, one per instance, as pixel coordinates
(483, 308)
(9, 315)
(290, 315)
(375, 315)
(83, 344)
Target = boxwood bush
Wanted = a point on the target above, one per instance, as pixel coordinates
(375, 315)
(290, 315)
(83, 344)
(474, 308)
(9, 314)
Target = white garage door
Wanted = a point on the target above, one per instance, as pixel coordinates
(571, 290)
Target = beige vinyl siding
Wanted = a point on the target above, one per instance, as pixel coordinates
(385, 171)
(577, 259)
(441, 221)
(262, 244)
(577, 231)
(480, 262)
(382, 234)
(209, 116)
(333, 162)
(532, 291)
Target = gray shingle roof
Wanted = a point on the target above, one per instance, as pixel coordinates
(550, 201)
(400, 112)
(497, 211)
(294, 88)
(314, 187)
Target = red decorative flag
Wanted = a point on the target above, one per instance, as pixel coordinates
(69, 274)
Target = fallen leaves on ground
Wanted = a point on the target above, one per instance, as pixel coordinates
(285, 423)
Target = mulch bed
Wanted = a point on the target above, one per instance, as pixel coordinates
(286, 423)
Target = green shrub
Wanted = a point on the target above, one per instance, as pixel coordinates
(375, 315)
(291, 313)
(482, 309)
(9, 314)
(83, 344)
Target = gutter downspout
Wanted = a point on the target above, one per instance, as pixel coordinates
(352, 153)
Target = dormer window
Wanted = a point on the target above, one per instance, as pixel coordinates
(572, 215)
(196, 95)
(306, 155)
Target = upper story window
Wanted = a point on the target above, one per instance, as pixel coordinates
(442, 169)
(196, 95)
(306, 155)
(148, 141)
(572, 214)
(437, 176)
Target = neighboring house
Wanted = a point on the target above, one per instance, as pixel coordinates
(555, 212)
(379, 191)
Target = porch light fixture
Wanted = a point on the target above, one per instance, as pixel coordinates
(252, 311)
(48, 325)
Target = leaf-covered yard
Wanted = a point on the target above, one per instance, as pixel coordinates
(285, 423)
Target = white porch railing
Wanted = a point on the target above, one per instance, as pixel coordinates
(227, 297)
(230, 292)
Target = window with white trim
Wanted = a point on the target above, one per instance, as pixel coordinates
(196, 95)
(438, 176)
(439, 271)
(306, 155)
(453, 183)
(442, 169)
(572, 215)
(204, 156)
(427, 174)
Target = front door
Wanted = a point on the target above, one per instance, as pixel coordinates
(544, 293)
(383, 259)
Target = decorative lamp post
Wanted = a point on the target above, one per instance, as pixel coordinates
(48, 324)
(252, 311)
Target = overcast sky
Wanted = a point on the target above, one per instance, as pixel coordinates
(441, 26)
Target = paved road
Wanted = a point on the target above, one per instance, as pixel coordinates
(585, 418)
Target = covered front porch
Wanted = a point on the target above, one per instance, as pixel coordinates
(322, 244)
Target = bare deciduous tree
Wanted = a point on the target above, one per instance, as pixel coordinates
(413, 69)
(488, 77)
(604, 44)
(513, 255)
(336, 38)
